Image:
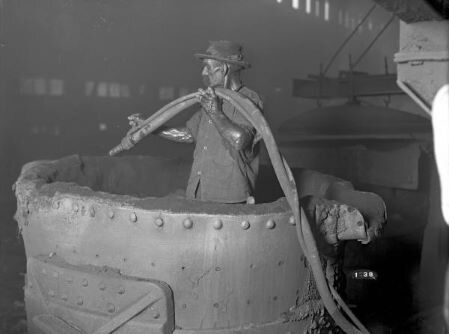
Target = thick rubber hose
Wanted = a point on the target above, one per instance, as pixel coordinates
(287, 182)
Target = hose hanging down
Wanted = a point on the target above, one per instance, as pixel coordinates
(285, 178)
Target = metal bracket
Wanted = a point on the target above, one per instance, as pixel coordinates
(421, 56)
(415, 96)
(89, 299)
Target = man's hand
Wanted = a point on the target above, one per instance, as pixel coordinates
(135, 120)
(234, 134)
(209, 101)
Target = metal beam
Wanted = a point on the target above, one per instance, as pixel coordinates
(359, 85)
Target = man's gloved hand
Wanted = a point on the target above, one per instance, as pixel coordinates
(209, 101)
(135, 120)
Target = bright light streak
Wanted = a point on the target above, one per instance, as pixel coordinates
(295, 4)
(326, 10)
(308, 6)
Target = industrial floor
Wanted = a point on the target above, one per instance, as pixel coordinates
(12, 273)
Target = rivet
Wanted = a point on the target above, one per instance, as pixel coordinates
(270, 224)
(56, 205)
(80, 301)
(111, 214)
(359, 223)
(75, 207)
(111, 307)
(51, 293)
(156, 315)
(216, 305)
(291, 220)
(218, 224)
(250, 200)
(92, 211)
(84, 282)
(217, 268)
(188, 223)
(64, 297)
(245, 224)
(133, 217)
(121, 290)
(159, 222)
(51, 254)
(102, 286)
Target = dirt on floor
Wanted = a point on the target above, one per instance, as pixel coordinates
(12, 272)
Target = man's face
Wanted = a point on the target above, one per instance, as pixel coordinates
(213, 73)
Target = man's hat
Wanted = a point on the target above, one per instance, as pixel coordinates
(226, 52)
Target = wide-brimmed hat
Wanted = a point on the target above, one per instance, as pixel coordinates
(225, 51)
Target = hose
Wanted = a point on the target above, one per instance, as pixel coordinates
(285, 178)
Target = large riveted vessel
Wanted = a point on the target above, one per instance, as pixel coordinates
(200, 266)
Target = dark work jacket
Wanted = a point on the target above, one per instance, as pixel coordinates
(219, 172)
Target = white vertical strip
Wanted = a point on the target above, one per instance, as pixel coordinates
(295, 4)
(326, 10)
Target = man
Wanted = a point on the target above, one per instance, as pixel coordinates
(226, 157)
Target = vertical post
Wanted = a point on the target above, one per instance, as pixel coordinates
(351, 76)
(2, 59)
(3, 79)
(320, 87)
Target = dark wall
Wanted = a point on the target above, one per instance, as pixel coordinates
(73, 70)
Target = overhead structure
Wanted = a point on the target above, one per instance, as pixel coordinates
(349, 84)
(422, 60)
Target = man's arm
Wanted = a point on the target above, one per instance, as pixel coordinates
(180, 134)
(237, 136)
